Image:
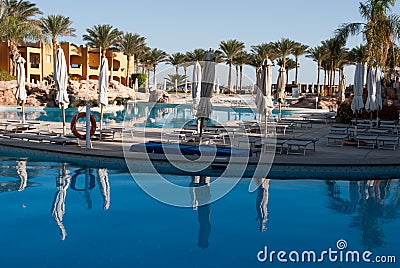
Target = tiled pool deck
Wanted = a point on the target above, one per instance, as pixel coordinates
(327, 162)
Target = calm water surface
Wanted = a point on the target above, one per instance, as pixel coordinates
(66, 216)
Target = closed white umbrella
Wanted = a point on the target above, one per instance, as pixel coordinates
(103, 88)
(137, 85)
(207, 85)
(20, 94)
(104, 187)
(196, 86)
(357, 104)
(378, 89)
(58, 210)
(342, 91)
(281, 87)
(186, 89)
(23, 175)
(176, 86)
(371, 104)
(61, 81)
(165, 86)
(264, 102)
(378, 92)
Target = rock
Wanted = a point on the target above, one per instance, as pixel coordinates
(79, 91)
(156, 95)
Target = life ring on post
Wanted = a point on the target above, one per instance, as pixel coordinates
(76, 132)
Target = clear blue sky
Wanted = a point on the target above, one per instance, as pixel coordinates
(179, 25)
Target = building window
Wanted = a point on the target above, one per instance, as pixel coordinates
(48, 58)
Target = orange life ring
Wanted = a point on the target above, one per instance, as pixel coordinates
(76, 132)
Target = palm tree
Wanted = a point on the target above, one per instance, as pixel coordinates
(195, 55)
(129, 44)
(299, 50)
(380, 29)
(334, 47)
(290, 65)
(230, 49)
(176, 59)
(180, 79)
(239, 60)
(264, 51)
(318, 54)
(284, 48)
(154, 57)
(54, 26)
(104, 37)
(18, 24)
(137, 44)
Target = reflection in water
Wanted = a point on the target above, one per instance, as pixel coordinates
(262, 203)
(104, 186)
(90, 183)
(372, 203)
(23, 175)
(200, 193)
(58, 211)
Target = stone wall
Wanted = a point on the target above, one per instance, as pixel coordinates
(79, 92)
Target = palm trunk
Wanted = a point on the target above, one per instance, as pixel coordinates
(297, 70)
(154, 77)
(237, 77)
(176, 69)
(54, 55)
(241, 76)
(230, 76)
(318, 77)
(112, 66)
(13, 55)
(127, 70)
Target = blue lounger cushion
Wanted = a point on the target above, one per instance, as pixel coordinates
(159, 148)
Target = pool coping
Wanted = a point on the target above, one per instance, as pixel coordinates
(284, 167)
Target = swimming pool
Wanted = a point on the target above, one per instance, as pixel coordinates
(110, 222)
(141, 114)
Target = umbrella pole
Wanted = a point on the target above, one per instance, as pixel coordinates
(201, 129)
(23, 112)
(280, 111)
(370, 121)
(355, 128)
(63, 118)
(101, 117)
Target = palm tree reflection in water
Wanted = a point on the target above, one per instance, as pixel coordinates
(200, 194)
(372, 203)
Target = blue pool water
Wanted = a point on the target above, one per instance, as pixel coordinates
(160, 115)
(110, 222)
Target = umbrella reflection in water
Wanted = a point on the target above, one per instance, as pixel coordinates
(58, 210)
(262, 203)
(200, 194)
(104, 187)
(23, 175)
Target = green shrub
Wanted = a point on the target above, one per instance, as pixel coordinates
(344, 113)
(389, 112)
(141, 79)
(5, 76)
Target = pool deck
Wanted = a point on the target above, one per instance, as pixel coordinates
(327, 162)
